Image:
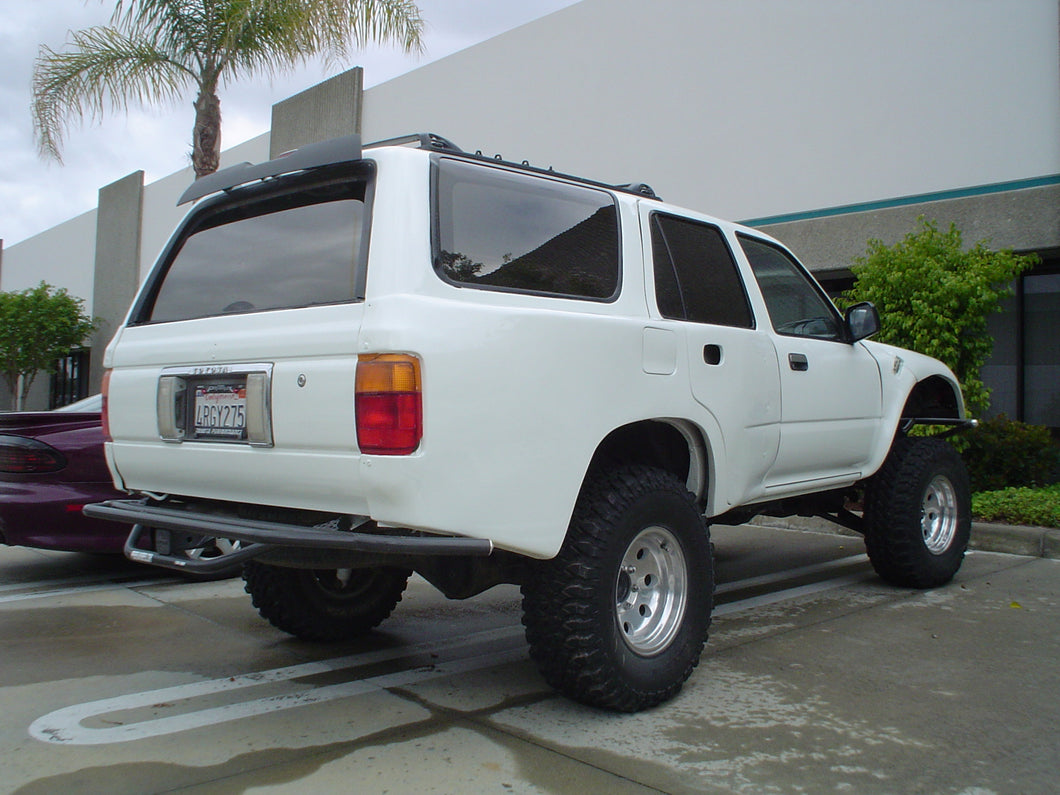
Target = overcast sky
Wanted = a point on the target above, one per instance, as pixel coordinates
(36, 194)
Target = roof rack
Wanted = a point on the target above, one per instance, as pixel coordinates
(425, 141)
(348, 149)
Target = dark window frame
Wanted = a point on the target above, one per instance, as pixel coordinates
(437, 163)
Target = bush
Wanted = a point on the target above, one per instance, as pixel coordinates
(1039, 507)
(934, 295)
(1001, 453)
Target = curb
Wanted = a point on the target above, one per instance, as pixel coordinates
(1036, 542)
(1039, 542)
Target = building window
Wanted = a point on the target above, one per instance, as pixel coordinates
(69, 382)
(1041, 349)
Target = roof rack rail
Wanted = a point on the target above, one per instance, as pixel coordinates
(336, 150)
(425, 141)
(437, 143)
(640, 188)
(348, 149)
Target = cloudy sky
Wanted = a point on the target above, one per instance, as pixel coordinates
(36, 194)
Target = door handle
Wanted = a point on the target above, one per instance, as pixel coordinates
(798, 362)
(712, 354)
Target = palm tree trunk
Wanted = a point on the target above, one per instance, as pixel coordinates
(206, 138)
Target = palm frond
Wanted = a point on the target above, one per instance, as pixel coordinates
(272, 36)
(105, 68)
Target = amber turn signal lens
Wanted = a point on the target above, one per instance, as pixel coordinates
(388, 372)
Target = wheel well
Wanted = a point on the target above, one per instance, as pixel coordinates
(660, 443)
(932, 397)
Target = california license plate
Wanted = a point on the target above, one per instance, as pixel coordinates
(221, 411)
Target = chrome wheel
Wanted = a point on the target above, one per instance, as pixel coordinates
(939, 515)
(651, 591)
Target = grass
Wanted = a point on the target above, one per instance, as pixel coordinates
(1019, 505)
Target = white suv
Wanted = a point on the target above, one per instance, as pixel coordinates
(362, 363)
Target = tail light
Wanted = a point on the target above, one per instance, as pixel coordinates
(105, 415)
(23, 456)
(389, 404)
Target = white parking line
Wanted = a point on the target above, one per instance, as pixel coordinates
(52, 588)
(66, 726)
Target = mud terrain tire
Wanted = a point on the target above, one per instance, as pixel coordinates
(618, 619)
(918, 514)
(324, 605)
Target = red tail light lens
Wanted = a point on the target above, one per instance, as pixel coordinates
(389, 404)
(22, 456)
(105, 416)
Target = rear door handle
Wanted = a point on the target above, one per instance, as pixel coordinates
(712, 354)
(798, 362)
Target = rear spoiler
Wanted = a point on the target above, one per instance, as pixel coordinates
(336, 150)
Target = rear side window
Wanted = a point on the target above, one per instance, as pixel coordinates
(500, 230)
(296, 250)
(695, 274)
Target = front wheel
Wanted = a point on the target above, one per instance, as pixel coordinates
(618, 619)
(326, 604)
(918, 514)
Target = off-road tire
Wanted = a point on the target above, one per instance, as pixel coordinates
(918, 514)
(319, 605)
(619, 617)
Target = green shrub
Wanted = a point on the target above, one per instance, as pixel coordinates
(1039, 507)
(1003, 452)
(934, 295)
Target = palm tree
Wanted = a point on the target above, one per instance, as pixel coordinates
(155, 50)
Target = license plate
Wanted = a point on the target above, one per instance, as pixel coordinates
(221, 411)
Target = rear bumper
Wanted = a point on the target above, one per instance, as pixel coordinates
(271, 539)
(48, 516)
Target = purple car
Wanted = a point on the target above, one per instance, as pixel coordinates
(51, 465)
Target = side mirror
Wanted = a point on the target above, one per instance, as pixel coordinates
(862, 321)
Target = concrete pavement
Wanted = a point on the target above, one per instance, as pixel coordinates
(817, 678)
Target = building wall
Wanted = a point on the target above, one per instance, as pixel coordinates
(760, 107)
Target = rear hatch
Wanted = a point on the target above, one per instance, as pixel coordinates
(234, 376)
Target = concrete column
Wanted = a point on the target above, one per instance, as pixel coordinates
(119, 222)
(327, 110)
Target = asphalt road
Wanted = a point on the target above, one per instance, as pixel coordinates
(118, 678)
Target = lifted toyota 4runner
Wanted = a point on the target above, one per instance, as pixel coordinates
(361, 363)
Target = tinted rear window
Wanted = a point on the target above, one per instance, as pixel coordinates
(500, 230)
(301, 249)
(695, 275)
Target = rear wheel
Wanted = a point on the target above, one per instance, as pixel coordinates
(324, 604)
(918, 514)
(618, 619)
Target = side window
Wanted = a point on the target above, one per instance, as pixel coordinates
(500, 230)
(695, 275)
(796, 306)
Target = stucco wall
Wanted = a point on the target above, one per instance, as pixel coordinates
(759, 107)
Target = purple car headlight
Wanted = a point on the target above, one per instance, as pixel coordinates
(23, 456)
